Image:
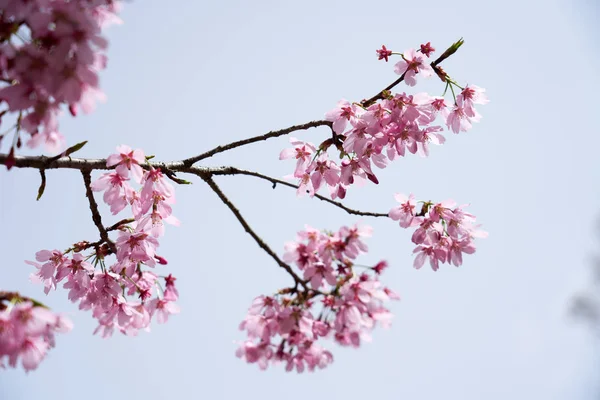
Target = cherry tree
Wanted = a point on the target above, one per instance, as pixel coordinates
(51, 55)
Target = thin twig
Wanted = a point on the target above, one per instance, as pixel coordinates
(219, 149)
(379, 96)
(207, 178)
(87, 179)
(274, 181)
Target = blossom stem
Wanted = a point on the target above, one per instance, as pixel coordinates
(87, 179)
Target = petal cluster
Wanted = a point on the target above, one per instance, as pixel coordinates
(51, 52)
(27, 331)
(444, 231)
(367, 136)
(124, 294)
(338, 300)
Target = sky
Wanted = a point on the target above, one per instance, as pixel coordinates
(186, 77)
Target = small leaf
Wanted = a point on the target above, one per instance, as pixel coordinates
(180, 181)
(42, 185)
(74, 148)
(67, 152)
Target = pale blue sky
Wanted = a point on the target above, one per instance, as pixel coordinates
(186, 77)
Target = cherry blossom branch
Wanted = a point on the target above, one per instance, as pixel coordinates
(434, 64)
(365, 103)
(219, 149)
(87, 179)
(207, 178)
(275, 181)
(320, 261)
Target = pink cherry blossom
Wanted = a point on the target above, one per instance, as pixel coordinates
(127, 160)
(413, 63)
(470, 96)
(459, 121)
(302, 152)
(340, 115)
(27, 331)
(405, 213)
(427, 49)
(383, 53)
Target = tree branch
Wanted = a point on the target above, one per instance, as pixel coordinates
(87, 179)
(219, 149)
(207, 178)
(43, 162)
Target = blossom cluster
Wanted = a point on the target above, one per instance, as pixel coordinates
(367, 135)
(105, 289)
(27, 331)
(444, 231)
(50, 54)
(336, 298)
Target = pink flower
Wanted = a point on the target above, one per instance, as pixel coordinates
(427, 49)
(413, 63)
(383, 53)
(470, 96)
(340, 115)
(405, 212)
(302, 152)
(127, 160)
(317, 272)
(163, 309)
(324, 170)
(458, 120)
(47, 272)
(429, 135)
(117, 191)
(138, 246)
(58, 67)
(430, 251)
(27, 333)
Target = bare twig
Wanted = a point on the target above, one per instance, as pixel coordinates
(87, 179)
(219, 149)
(207, 178)
(274, 181)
